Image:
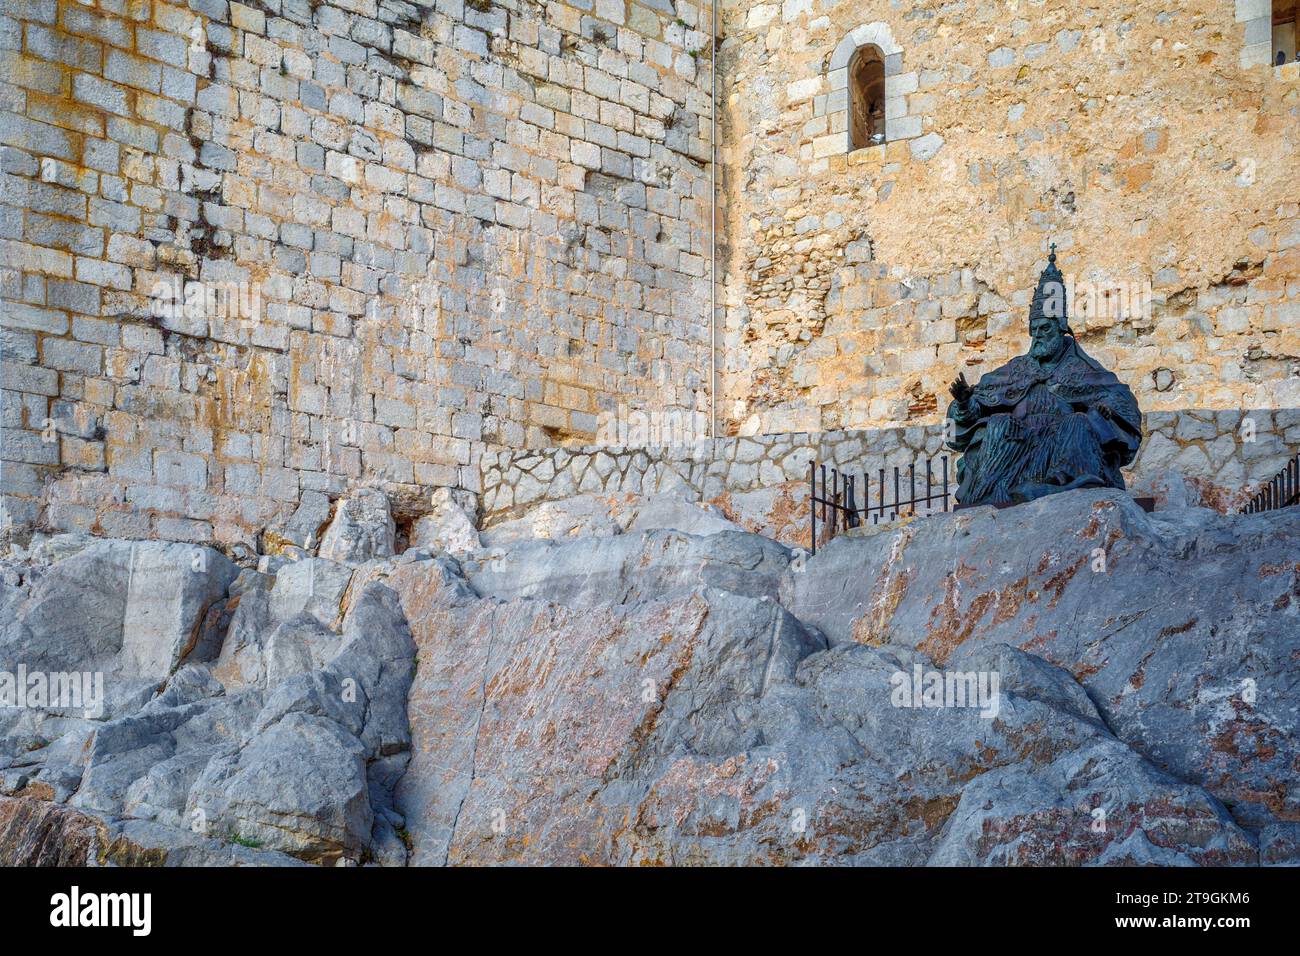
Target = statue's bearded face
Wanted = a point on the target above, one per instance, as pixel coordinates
(1047, 338)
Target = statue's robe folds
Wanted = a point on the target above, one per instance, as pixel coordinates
(1030, 430)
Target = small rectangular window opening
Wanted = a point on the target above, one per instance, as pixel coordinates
(1284, 31)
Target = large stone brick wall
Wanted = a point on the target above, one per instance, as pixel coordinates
(451, 224)
(1149, 140)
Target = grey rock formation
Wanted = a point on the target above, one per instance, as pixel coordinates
(585, 516)
(362, 528)
(629, 568)
(598, 516)
(131, 610)
(313, 586)
(299, 786)
(304, 529)
(262, 744)
(451, 526)
(299, 645)
(676, 512)
(1182, 625)
(1070, 681)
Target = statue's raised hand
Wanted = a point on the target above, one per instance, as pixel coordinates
(961, 389)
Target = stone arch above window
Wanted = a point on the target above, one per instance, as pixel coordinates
(865, 76)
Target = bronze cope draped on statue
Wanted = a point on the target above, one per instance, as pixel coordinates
(1048, 421)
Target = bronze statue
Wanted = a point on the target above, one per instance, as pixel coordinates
(1048, 421)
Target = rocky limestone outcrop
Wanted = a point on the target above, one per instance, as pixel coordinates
(451, 525)
(362, 529)
(267, 713)
(626, 691)
(605, 515)
(1182, 625)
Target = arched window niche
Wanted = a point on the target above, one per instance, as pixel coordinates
(867, 100)
(866, 97)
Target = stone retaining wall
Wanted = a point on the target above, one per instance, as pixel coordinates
(761, 481)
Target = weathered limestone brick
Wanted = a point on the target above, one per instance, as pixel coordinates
(1152, 147)
(418, 215)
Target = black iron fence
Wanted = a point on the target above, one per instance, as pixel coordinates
(1282, 490)
(837, 500)
(834, 495)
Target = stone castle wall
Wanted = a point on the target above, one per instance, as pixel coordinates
(435, 225)
(1151, 141)
(429, 234)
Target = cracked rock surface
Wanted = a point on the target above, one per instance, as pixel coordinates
(692, 695)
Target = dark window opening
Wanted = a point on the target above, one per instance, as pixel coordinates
(1284, 32)
(866, 98)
